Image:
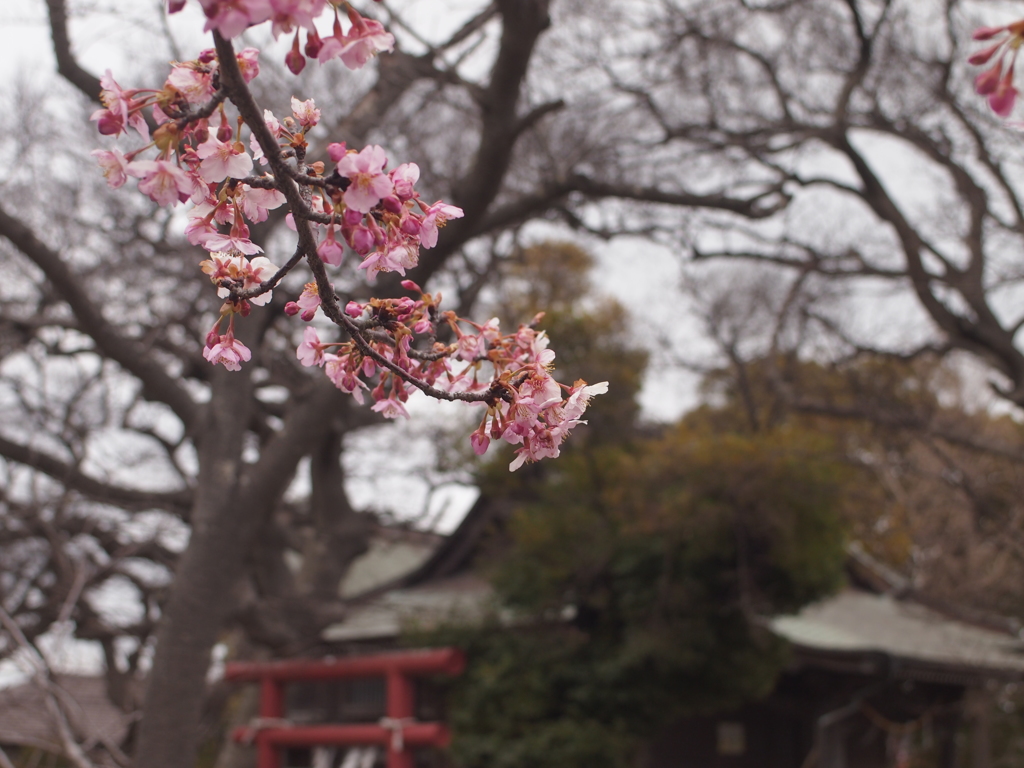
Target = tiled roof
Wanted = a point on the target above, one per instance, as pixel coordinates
(860, 621)
(383, 616)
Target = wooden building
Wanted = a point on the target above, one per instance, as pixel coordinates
(879, 675)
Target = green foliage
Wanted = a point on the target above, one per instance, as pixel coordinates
(636, 579)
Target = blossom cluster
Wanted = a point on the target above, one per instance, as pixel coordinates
(364, 38)
(354, 204)
(996, 82)
(378, 214)
(525, 406)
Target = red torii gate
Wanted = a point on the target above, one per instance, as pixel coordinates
(398, 729)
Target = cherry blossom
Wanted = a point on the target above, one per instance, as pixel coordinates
(288, 14)
(222, 159)
(437, 216)
(997, 82)
(194, 84)
(311, 350)
(227, 351)
(114, 166)
(404, 178)
(330, 250)
(390, 408)
(579, 398)
(257, 203)
(236, 240)
(249, 64)
(163, 181)
(307, 305)
(366, 172)
(305, 112)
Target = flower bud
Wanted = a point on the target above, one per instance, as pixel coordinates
(225, 133)
(337, 150)
(479, 441)
(392, 204)
(295, 60)
(108, 123)
(362, 240)
(410, 225)
(213, 337)
(409, 285)
(313, 44)
(291, 309)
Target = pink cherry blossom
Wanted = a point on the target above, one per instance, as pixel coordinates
(256, 203)
(307, 305)
(249, 63)
(479, 440)
(366, 172)
(579, 398)
(114, 166)
(222, 159)
(194, 85)
(107, 123)
(259, 271)
(390, 408)
(229, 352)
(343, 378)
(394, 260)
(114, 97)
(330, 250)
(305, 112)
(364, 40)
(232, 17)
(404, 178)
(236, 240)
(311, 351)
(161, 180)
(997, 82)
(437, 216)
(336, 150)
(361, 240)
(289, 14)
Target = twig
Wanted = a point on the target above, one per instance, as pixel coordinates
(72, 749)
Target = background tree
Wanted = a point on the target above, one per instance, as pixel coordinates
(132, 467)
(636, 122)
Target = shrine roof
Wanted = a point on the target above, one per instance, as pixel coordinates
(858, 622)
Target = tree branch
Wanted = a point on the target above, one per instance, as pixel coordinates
(157, 384)
(67, 65)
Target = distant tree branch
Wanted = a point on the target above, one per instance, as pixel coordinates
(67, 65)
(129, 354)
(74, 479)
